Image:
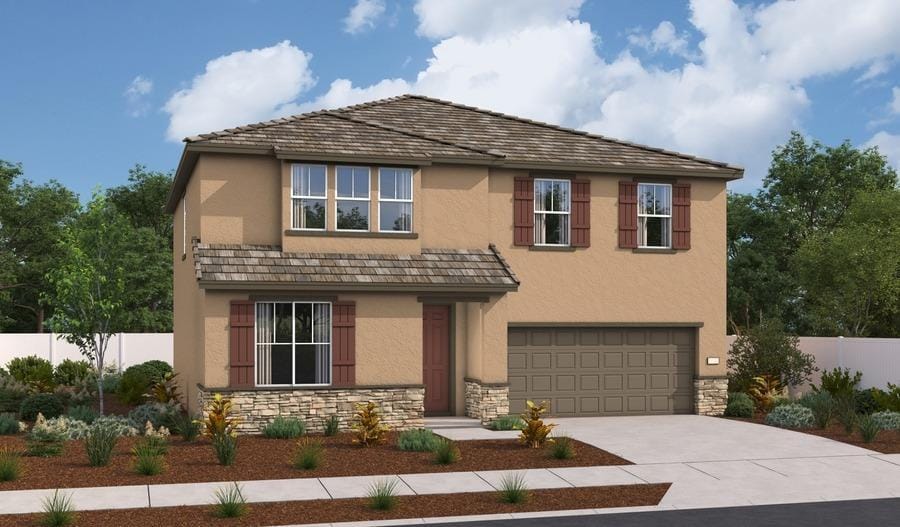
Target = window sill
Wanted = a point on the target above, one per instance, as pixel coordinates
(354, 234)
(661, 250)
(552, 248)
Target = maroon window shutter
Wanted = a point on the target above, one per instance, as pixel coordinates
(581, 213)
(241, 344)
(681, 216)
(343, 344)
(523, 211)
(628, 214)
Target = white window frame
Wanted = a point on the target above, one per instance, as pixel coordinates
(381, 200)
(294, 342)
(295, 196)
(568, 213)
(669, 215)
(367, 199)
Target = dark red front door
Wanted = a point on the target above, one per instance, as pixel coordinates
(436, 358)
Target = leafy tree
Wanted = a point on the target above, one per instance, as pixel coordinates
(32, 219)
(851, 277)
(93, 281)
(142, 200)
(767, 350)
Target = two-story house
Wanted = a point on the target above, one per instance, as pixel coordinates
(440, 259)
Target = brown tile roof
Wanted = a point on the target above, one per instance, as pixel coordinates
(415, 126)
(434, 269)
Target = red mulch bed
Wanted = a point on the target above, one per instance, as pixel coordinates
(357, 509)
(261, 458)
(886, 442)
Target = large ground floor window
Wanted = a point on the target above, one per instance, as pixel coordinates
(293, 343)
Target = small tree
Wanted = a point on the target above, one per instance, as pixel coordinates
(89, 283)
(766, 350)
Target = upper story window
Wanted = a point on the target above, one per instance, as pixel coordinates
(352, 198)
(293, 343)
(308, 197)
(654, 215)
(551, 211)
(395, 199)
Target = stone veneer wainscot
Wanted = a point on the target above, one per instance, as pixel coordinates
(710, 395)
(486, 401)
(401, 407)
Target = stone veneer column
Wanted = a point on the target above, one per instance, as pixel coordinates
(710, 395)
(401, 407)
(485, 401)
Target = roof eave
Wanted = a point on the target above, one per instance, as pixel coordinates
(344, 287)
(729, 173)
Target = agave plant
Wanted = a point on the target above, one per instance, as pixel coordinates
(765, 389)
(534, 432)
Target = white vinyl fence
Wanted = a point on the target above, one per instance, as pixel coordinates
(125, 349)
(877, 359)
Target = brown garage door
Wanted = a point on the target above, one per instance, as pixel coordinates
(602, 371)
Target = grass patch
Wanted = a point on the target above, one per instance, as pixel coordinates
(507, 422)
(147, 459)
(513, 488)
(332, 425)
(10, 468)
(99, 445)
(230, 502)
(383, 494)
(58, 510)
(562, 447)
(308, 455)
(417, 440)
(284, 428)
(446, 452)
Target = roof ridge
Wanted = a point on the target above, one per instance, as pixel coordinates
(565, 129)
(339, 113)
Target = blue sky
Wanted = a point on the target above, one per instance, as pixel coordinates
(91, 88)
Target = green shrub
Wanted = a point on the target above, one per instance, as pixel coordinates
(332, 425)
(845, 411)
(513, 488)
(148, 461)
(887, 420)
(562, 447)
(507, 422)
(58, 510)
(868, 428)
(47, 404)
(308, 454)
(839, 383)
(739, 405)
(790, 416)
(225, 447)
(230, 502)
(9, 465)
(822, 406)
(890, 399)
(83, 413)
(284, 428)
(137, 380)
(32, 371)
(154, 370)
(72, 372)
(446, 452)
(43, 441)
(157, 414)
(111, 382)
(9, 425)
(99, 445)
(185, 426)
(865, 401)
(11, 398)
(766, 349)
(417, 440)
(382, 494)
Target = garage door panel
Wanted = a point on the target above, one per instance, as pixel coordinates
(602, 371)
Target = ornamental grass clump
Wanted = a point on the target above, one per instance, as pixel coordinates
(562, 447)
(534, 432)
(332, 425)
(868, 428)
(185, 426)
(308, 454)
(284, 428)
(845, 411)
(822, 406)
(10, 469)
(739, 405)
(99, 445)
(513, 488)
(507, 422)
(148, 458)
(446, 452)
(58, 510)
(368, 430)
(417, 440)
(382, 494)
(221, 427)
(9, 425)
(230, 502)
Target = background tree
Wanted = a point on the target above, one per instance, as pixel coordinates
(32, 219)
(92, 282)
(766, 349)
(851, 277)
(142, 200)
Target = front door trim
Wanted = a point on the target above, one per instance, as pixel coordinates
(437, 358)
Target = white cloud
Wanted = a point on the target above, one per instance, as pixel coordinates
(480, 18)
(889, 146)
(895, 100)
(135, 96)
(876, 69)
(663, 38)
(240, 88)
(363, 15)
